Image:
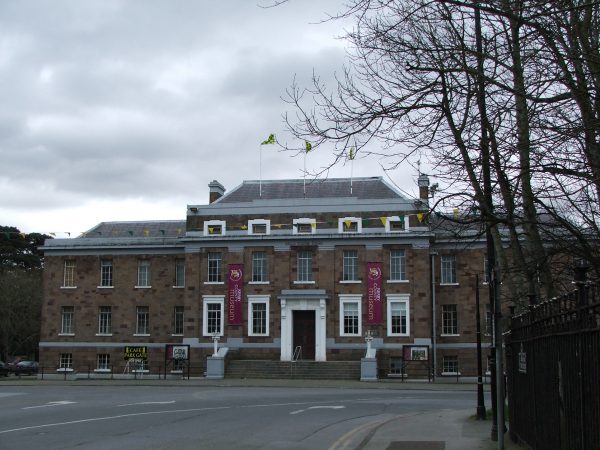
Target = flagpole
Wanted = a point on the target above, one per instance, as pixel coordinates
(260, 170)
(304, 173)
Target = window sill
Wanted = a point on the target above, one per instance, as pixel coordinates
(105, 287)
(178, 287)
(214, 282)
(177, 372)
(259, 282)
(66, 334)
(65, 369)
(449, 284)
(177, 335)
(304, 282)
(142, 287)
(397, 281)
(351, 335)
(104, 334)
(350, 281)
(102, 370)
(68, 287)
(257, 335)
(449, 335)
(140, 371)
(142, 334)
(450, 374)
(398, 335)
(211, 335)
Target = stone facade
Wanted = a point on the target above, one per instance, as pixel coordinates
(74, 336)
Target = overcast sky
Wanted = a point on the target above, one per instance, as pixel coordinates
(125, 110)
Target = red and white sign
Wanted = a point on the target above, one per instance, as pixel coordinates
(235, 277)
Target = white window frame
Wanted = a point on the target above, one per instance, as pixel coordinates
(346, 299)
(211, 223)
(221, 276)
(64, 330)
(109, 312)
(356, 220)
(254, 300)
(69, 269)
(266, 268)
(253, 222)
(107, 263)
(357, 268)
(388, 227)
(455, 313)
(137, 321)
(143, 266)
(179, 283)
(444, 359)
(304, 221)
(175, 314)
(65, 362)
(102, 366)
(212, 299)
(311, 272)
(398, 298)
(399, 280)
(443, 280)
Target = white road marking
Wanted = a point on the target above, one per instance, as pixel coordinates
(317, 407)
(59, 403)
(148, 403)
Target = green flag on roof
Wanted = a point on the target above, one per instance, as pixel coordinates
(269, 140)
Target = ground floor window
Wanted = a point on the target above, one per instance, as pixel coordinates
(396, 366)
(103, 361)
(258, 315)
(398, 322)
(350, 315)
(450, 365)
(212, 322)
(66, 361)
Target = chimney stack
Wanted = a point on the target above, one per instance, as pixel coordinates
(423, 182)
(216, 191)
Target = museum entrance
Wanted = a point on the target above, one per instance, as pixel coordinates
(304, 332)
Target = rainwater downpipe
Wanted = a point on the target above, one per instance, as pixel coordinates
(433, 315)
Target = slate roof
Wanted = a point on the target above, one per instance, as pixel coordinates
(154, 228)
(362, 188)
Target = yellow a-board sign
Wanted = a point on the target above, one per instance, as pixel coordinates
(135, 353)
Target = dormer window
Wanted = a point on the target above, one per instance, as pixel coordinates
(349, 225)
(395, 224)
(259, 226)
(305, 226)
(214, 228)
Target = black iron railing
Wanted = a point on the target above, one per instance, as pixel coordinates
(553, 372)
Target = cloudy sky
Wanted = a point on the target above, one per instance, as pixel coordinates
(127, 109)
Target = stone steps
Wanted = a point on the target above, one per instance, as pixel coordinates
(310, 370)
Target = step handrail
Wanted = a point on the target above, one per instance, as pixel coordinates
(297, 355)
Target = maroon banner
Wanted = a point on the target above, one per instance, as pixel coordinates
(236, 284)
(374, 307)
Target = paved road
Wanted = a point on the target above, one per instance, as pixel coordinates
(206, 417)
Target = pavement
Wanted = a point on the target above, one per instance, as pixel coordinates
(440, 430)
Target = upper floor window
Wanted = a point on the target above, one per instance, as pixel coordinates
(350, 315)
(349, 225)
(67, 320)
(69, 274)
(213, 315)
(142, 320)
(397, 265)
(105, 320)
(258, 316)
(178, 320)
(143, 278)
(106, 273)
(449, 320)
(395, 224)
(304, 266)
(398, 315)
(260, 273)
(304, 226)
(215, 267)
(350, 265)
(214, 228)
(259, 226)
(448, 269)
(179, 273)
